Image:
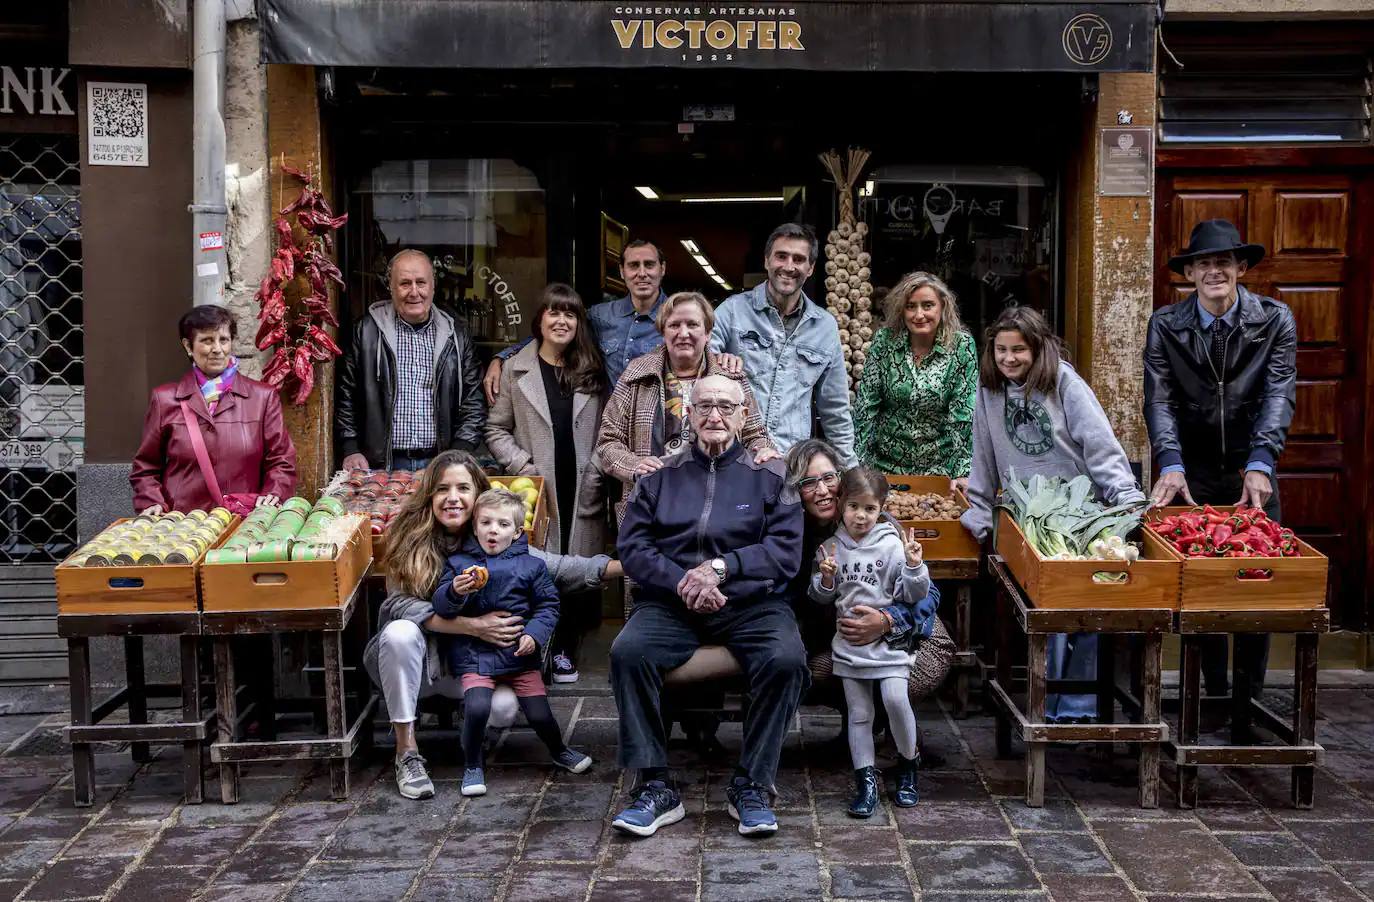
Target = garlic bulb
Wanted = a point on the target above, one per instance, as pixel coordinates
(865, 259)
(853, 281)
(863, 273)
(842, 289)
(842, 305)
(830, 267)
(844, 336)
(841, 258)
(855, 341)
(845, 229)
(830, 298)
(842, 320)
(861, 229)
(859, 356)
(866, 289)
(863, 317)
(830, 252)
(831, 281)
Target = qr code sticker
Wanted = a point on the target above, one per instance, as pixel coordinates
(119, 112)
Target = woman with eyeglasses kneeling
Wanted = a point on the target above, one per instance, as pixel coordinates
(813, 468)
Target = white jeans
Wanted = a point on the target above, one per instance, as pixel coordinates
(401, 671)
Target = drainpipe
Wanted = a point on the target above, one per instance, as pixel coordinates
(208, 210)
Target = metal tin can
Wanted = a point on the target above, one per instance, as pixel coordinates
(296, 504)
(269, 552)
(222, 515)
(98, 559)
(123, 559)
(174, 515)
(323, 551)
(294, 519)
(149, 558)
(182, 554)
(196, 515)
(226, 556)
(321, 517)
(329, 504)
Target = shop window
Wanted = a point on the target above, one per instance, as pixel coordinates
(986, 231)
(1227, 97)
(482, 221)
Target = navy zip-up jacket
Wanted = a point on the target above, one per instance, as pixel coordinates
(518, 583)
(697, 508)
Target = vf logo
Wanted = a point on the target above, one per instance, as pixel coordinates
(1087, 39)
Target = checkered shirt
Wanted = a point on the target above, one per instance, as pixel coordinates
(412, 420)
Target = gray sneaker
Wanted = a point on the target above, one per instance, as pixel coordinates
(412, 779)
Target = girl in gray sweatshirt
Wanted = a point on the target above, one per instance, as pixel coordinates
(1034, 413)
(869, 562)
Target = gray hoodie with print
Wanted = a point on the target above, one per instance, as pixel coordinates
(1064, 433)
(872, 570)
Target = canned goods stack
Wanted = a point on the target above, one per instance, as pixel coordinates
(153, 539)
(377, 493)
(295, 531)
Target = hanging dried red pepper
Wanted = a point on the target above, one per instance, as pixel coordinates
(293, 319)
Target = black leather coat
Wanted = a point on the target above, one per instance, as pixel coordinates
(1220, 422)
(366, 392)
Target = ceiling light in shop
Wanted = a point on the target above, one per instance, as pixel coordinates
(709, 270)
(691, 246)
(701, 261)
(735, 199)
(649, 193)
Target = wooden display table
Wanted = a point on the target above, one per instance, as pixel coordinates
(342, 736)
(1298, 747)
(963, 572)
(88, 725)
(1147, 732)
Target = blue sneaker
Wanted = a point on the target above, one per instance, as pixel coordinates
(474, 782)
(749, 805)
(572, 761)
(655, 805)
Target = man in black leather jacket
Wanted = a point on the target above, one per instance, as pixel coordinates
(1220, 386)
(409, 385)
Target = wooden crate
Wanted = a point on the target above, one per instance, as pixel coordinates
(288, 585)
(540, 529)
(1214, 584)
(146, 589)
(941, 540)
(1152, 581)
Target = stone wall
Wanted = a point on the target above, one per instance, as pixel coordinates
(246, 175)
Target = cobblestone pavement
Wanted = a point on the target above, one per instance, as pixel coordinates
(546, 836)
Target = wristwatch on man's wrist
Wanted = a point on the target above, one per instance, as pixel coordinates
(718, 566)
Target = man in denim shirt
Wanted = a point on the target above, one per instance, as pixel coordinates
(790, 347)
(624, 329)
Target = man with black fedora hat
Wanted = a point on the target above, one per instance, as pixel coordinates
(1220, 384)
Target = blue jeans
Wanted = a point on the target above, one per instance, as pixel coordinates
(401, 462)
(1071, 656)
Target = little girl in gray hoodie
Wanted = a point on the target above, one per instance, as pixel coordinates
(868, 563)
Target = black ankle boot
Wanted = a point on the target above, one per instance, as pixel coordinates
(906, 795)
(865, 792)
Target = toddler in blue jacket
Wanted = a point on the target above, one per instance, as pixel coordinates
(494, 571)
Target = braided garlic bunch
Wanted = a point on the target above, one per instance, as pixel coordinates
(849, 294)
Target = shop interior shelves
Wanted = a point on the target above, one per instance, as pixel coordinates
(1222, 584)
(1151, 582)
(288, 585)
(139, 589)
(941, 540)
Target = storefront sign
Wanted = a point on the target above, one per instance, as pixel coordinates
(816, 35)
(52, 411)
(1124, 161)
(117, 123)
(708, 112)
(36, 91)
(42, 455)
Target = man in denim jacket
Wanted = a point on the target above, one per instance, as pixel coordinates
(790, 347)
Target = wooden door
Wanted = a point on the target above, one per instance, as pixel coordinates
(1309, 227)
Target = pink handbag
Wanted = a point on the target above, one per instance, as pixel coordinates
(241, 503)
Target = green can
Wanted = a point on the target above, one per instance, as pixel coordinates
(226, 556)
(329, 504)
(269, 552)
(321, 518)
(323, 551)
(294, 520)
(297, 504)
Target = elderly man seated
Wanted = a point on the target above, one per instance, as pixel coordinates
(712, 539)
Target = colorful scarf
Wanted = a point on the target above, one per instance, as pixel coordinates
(211, 389)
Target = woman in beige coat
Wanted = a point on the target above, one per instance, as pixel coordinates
(544, 423)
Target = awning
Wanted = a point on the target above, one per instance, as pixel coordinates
(834, 35)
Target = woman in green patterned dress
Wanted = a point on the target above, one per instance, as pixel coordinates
(913, 413)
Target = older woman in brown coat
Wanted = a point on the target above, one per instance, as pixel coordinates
(646, 418)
